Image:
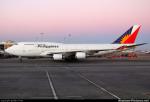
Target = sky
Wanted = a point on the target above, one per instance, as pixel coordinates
(73, 21)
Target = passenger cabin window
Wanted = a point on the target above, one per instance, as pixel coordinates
(28, 44)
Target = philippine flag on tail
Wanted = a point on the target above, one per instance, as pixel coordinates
(129, 36)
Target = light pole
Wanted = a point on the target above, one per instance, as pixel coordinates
(42, 34)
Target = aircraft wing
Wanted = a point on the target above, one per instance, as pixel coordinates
(137, 45)
(125, 47)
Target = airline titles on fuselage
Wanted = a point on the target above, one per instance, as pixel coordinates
(47, 46)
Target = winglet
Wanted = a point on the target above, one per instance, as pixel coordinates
(129, 36)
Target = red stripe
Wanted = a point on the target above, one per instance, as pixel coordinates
(132, 38)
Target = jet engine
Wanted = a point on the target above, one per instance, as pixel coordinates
(80, 55)
(57, 56)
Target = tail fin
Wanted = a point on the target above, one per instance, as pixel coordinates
(129, 36)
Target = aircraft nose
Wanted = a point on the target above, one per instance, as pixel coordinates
(9, 50)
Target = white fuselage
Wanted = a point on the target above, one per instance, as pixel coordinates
(38, 49)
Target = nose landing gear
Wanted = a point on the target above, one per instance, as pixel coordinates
(20, 59)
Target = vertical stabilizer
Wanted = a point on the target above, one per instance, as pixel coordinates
(129, 36)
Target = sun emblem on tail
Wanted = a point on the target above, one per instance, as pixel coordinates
(124, 38)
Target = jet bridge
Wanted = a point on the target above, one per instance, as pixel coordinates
(2, 47)
(1, 50)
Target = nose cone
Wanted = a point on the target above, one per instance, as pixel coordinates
(9, 50)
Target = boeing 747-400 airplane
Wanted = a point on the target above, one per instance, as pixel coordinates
(61, 51)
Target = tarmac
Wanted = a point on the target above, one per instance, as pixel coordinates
(88, 79)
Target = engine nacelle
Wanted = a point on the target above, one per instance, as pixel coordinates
(80, 55)
(57, 56)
